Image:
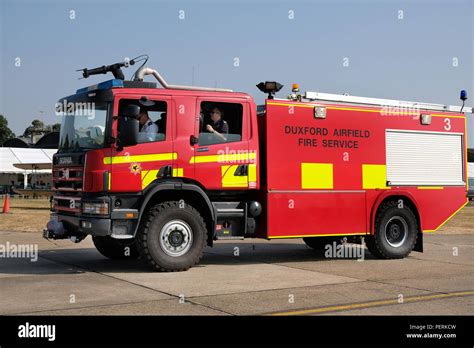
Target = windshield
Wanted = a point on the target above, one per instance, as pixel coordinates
(83, 126)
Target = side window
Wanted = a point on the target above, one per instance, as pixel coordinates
(220, 123)
(152, 119)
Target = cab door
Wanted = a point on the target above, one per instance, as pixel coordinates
(134, 168)
(223, 163)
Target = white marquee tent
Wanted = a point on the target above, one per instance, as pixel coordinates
(24, 161)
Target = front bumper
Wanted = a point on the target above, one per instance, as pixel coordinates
(65, 226)
(121, 224)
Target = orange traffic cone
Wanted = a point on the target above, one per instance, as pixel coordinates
(6, 205)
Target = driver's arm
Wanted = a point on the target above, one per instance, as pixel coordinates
(151, 132)
(223, 131)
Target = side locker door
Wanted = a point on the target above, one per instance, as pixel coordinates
(135, 167)
(222, 164)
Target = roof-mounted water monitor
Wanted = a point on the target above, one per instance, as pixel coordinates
(115, 69)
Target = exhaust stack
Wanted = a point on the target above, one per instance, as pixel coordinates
(142, 72)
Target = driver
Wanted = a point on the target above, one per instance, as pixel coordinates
(219, 127)
(148, 128)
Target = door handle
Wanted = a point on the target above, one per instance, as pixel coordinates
(165, 171)
(242, 170)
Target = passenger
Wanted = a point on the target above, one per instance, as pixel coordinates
(148, 129)
(219, 127)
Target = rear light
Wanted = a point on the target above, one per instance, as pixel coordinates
(95, 208)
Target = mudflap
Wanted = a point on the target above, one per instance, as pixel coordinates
(419, 243)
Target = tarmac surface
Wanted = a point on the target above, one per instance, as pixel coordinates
(251, 277)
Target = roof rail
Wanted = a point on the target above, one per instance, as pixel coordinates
(343, 98)
(142, 72)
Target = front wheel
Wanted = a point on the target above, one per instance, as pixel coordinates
(396, 231)
(172, 237)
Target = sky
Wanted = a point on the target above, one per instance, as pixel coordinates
(415, 50)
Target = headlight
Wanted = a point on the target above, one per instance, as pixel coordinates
(95, 208)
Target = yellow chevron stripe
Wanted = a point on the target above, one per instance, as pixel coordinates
(231, 180)
(147, 177)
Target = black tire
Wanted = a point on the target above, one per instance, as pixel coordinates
(396, 231)
(116, 249)
(319, 243)
(185, 224)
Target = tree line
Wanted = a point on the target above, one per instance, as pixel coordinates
(36, 127)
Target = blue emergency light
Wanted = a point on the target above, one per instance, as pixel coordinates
(103, 85)
(463, 97)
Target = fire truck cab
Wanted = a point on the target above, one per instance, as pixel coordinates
(159, 173)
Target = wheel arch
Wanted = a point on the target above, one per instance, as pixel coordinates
(177, 189)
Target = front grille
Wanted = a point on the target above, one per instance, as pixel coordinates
(67, 182)
(68, 178)
(68, 204)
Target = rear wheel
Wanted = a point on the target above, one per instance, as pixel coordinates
(172, 237)
(396, 231)
(116, 248)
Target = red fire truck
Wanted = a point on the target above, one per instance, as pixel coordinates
(159, 173)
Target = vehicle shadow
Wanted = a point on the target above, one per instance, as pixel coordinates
(81, 260)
